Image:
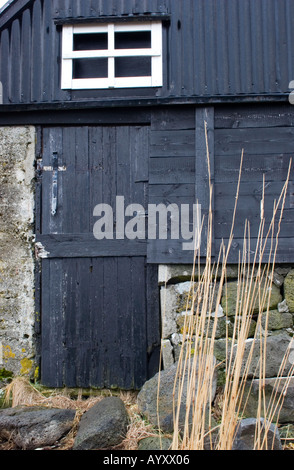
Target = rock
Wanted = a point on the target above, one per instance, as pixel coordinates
(176, 299)
(276, 347)
(148, 402)
(222, 347)
(276, 320)
(251, 329)
(278, 279)
(229, 298)
(155, 443)
(33, 427)
(289, 290)
(245, 436)
(272, 386)
(103, 426)
(283, 307)
(167, 353)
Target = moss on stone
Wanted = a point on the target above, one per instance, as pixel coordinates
(26, 366)
(289, 290)
(5, 374)
(230, 297)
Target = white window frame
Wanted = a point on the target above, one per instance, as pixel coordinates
(68, 55)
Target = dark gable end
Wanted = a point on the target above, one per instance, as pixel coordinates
(213, 51)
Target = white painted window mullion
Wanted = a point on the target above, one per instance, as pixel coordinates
(67, 49)
(156, 63)
(111, 59)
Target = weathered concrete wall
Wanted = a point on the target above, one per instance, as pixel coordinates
(17, 154)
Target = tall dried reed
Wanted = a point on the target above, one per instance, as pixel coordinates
(255, 277)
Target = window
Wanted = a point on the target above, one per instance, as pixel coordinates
(112, 56)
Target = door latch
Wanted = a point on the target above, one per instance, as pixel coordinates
(54, 196)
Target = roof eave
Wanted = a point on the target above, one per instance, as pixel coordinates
(11, 9)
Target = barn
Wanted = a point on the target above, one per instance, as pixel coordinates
(107, 110)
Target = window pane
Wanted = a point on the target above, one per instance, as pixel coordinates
(133, 67)
(133, 40)
(90, 42)
(90, 68)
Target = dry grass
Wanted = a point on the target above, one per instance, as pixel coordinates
(255, 269)
(21, 392)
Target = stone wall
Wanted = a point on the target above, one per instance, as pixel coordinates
(17, 155)
(175, 284)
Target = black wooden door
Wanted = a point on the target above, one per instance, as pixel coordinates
(99, 299)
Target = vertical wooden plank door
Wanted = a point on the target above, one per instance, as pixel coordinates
(99, 308)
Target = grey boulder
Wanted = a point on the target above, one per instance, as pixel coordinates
(155, 399)
(33, 427)
(103, 426)
(245, 437)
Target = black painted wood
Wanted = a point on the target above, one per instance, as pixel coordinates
(100, 312)
(265, 134)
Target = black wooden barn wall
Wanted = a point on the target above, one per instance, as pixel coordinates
(99, 325)
(100, 312)
(179, 172)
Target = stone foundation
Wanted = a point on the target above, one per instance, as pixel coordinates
(175, 284)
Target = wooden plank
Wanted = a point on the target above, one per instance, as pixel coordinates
(52, 324)
(172, 199)
(48, 52)
(67, 180)
(85, 245)
(248, 116)
(81, 182)
(125, 321)
(173, 170)
(15, 61)
(285, 250)
(111, 338)
(37, 57)
(5, 58)
(26, 55)
(83, 322)
(168, 252)
(179, 118)
(153, 320)
(139, 322)
(162, 252)
(70, 323)
(175, 143)
(250, 195)
(264, 141)
(223, 222)
(96, 169)
(274, 167)
(166, 191)
(98, 319)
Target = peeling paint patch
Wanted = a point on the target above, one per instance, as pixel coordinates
(40, 251)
